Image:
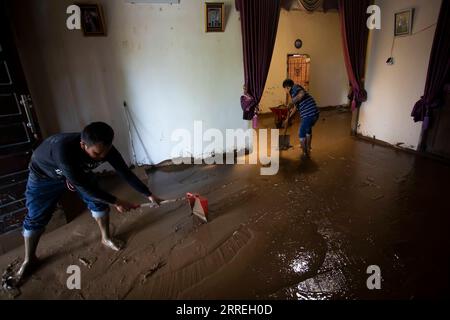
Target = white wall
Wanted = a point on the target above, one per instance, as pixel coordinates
(321, 36)
(393, 90)
(156, 57)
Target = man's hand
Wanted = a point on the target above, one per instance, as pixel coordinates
(289, 116)
(155, 200)
(125, 206)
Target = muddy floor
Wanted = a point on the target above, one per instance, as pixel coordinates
(309, 232)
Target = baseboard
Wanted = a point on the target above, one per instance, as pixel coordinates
(400, 148)
(268, 114)
(339, 107)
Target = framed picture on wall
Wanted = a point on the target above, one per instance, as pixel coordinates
(92, 20)
(404, 22)
(215, 16)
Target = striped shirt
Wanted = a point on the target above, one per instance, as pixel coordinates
(307, 106)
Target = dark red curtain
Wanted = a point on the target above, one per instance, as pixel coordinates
(259, 24)
(438, 69)
(355, 35)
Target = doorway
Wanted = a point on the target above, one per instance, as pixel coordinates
(298, 69)
(436, 139)
(298, 66)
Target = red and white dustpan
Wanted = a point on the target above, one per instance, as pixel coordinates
(199, 205)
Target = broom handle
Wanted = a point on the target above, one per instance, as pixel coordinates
(285, 130)
(152, 205)
(287, 121)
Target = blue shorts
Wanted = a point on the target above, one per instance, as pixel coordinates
(42, 195)
(306, 126)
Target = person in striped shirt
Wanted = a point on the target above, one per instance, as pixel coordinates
(305, 104)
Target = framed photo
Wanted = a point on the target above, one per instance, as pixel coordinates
(404, 22)
(92, 20)
(215, 16)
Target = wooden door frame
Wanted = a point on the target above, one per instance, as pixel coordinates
(15, 156)
(289, 55)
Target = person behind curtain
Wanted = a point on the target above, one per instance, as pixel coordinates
(249, 107)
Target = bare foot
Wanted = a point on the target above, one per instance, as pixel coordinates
(113, 244)
(25, 269)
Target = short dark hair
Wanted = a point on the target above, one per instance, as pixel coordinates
(97, 133)
(288, 83)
